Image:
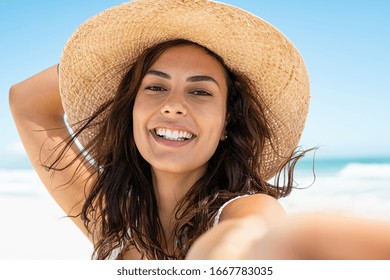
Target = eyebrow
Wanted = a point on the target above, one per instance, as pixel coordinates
(200, 78)
(159, 74)
(197, 78)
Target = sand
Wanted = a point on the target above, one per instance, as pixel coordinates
(32, 228)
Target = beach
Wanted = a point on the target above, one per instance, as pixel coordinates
(34, 227)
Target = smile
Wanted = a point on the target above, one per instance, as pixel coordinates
(173, 135)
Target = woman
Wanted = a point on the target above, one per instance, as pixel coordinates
(181, 121)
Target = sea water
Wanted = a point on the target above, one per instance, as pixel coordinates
(357, 186)
(353, 185)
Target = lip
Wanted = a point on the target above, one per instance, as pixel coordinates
(172, 143)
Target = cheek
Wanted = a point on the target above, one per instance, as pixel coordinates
(214, 124)
(217, 119)
(138, 121)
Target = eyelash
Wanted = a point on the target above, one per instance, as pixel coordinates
(201, 92)
(155, 88)
(195, 92)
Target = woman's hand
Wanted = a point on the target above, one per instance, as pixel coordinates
(230, 240)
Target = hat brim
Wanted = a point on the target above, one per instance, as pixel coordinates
(102, 49)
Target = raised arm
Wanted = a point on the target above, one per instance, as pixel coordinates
(38, 114)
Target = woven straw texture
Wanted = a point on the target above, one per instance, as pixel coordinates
(102, 49)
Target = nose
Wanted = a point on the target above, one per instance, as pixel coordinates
(174, 105)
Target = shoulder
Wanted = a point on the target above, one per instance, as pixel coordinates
(253, 205)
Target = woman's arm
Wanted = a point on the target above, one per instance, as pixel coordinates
(243, 222)
(38, 114)
(325, 236)
(310, 236)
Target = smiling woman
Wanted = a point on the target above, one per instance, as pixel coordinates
(189, 179)
(185, 124)
(184, 127)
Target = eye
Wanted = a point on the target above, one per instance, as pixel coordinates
(201, 92)
(155, 88)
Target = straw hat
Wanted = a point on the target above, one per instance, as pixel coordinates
(102, 49)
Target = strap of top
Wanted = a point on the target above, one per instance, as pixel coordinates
(216, 219)
(115, 253)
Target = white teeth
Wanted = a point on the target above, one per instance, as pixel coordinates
(174, 135)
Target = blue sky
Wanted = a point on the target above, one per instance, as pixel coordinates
(345, 45)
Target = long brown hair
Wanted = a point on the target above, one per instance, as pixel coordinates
(123, 195)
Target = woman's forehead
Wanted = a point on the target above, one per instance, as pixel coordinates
(195, 60)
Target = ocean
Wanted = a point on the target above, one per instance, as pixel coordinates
(354, 185)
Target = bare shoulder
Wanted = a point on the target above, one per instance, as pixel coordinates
(253, 205)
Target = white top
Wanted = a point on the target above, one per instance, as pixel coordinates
(216, 219)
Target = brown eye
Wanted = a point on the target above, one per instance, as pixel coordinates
(201, 92)
(155, 88)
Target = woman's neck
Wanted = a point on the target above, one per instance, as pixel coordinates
(170, 188)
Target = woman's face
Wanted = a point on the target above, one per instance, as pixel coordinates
(180, 110)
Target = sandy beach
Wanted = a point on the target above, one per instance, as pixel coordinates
(32, 228)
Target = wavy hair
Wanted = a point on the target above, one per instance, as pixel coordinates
(121, 210)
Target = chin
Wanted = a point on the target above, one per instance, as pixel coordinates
(179, 167)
